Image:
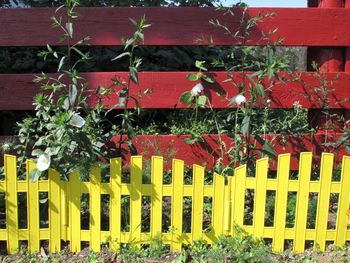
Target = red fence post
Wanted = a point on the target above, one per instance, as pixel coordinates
(347, 52)
(331, 3)
(347, 61)
(328, 59)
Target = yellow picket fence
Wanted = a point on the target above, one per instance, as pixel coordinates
(228, 205)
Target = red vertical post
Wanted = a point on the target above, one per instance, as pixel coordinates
(328, 59)
(347, 61)
(331, 3)
(347, 50)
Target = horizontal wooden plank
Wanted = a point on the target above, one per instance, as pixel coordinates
(177, 26)
(206, 153)
(17, 90)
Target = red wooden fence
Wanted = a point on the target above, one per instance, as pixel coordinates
(324, 30)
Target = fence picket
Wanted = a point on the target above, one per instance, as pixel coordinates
(238, 194)
(281, 201)
(262, 166)
(65, 233)
(135, 199)
(323, 199)
(115, 201)
(228, 204)
(218, 206)
(302, 201)
(34, 216)
(11, 203)
(197, 202)
(54, 211)
(344, 198)
(177, 204)
(95, 208)
(74, 212)
(157, 196)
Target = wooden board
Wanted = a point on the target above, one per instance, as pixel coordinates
(17, 90)
(206, 152)
(177, 26)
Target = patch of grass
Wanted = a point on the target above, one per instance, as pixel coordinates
(238, 248)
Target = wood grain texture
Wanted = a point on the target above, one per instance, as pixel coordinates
(17, 90)
(206, 153)
(177, 26)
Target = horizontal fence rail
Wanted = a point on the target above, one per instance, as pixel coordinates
(17, 90)
(106, 26)
(207, 153)
(227, 201)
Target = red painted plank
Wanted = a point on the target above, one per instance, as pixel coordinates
(177, 26)
(171, 146)
(17, 90)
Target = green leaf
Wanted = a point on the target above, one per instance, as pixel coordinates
(73, 92)
(261, 91)
(202, 100)
(79, 52)
(208, 79)
(270, 72)
(343, 139)
(66, 104)
(190, 140)
(192, 77)
(43, 200)
(245, 126)
(140, 35)
(37, 152)
(137, 104)
(121, 55)
(69, 27)
(266, 146)
(199, 64)
(347, 148)
(128, 42)
(195, 137)
(49, 48)
(186, 98)
(61, 63)
(34, 175)
(133, 21)
(133, 75)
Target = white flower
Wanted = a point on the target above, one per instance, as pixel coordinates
(239, 99)
(43, 162)
(6, 147)
(296, 104)
(77, 121)
(198, 88)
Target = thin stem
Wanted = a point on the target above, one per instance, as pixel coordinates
(218, 130)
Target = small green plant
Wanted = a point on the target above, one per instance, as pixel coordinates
(198, 250)
(66, 133)
(128, 252)
(250, 121)
(242, 247)
(122, 87)
(156, 248)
